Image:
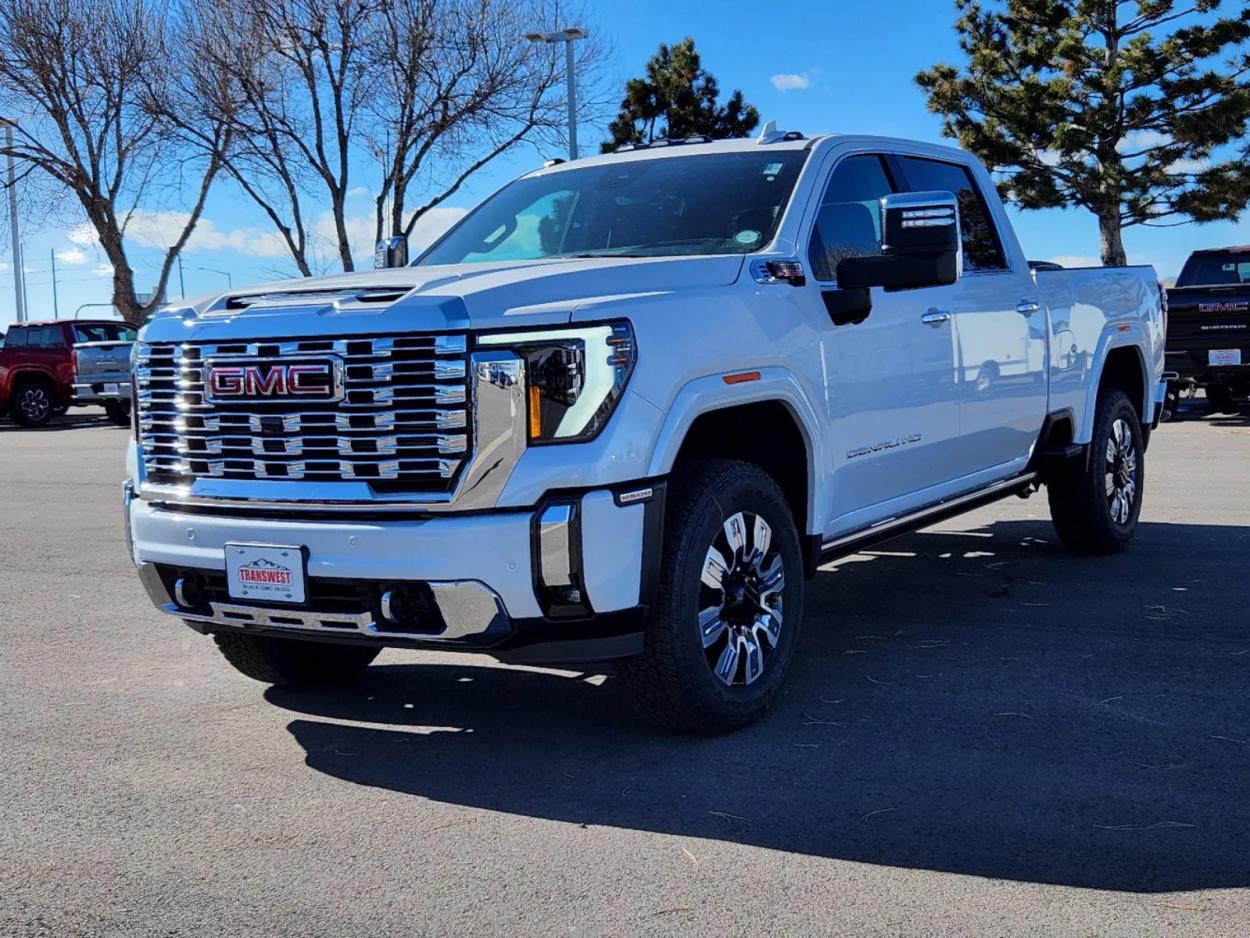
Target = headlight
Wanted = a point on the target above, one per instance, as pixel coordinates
(574, 377)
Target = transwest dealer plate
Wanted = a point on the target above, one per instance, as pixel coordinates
(265, 573)
(1224, 356)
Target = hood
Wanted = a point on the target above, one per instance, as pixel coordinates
(452, 298)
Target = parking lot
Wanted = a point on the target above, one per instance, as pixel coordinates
(982, 733)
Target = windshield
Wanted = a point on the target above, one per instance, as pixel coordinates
(727, 203)
(1215, 270)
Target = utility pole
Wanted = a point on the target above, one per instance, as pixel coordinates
(56, 307)
(19, 272)
(567, 36)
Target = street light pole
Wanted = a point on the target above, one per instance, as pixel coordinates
(568, 36)
(19, 273)
(224, 273)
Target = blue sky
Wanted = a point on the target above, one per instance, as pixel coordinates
(811, 65)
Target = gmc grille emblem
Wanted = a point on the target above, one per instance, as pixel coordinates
(306, 379)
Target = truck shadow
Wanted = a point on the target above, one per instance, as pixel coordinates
(976, 702)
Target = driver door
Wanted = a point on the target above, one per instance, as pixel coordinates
(890, 383)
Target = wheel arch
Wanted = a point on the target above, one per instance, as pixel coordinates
(1121, 364)
(767, 421)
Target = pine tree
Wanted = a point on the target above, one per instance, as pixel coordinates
(678, 98)
(1124, 107)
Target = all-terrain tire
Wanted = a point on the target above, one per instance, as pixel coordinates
(674, 683)
(1092, 509)
(291, 662)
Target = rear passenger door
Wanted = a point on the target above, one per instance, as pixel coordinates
(999, 329)
(890, 388)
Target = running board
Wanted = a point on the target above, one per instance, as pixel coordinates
(905, 524)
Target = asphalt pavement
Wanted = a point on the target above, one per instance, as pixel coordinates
(984, 735)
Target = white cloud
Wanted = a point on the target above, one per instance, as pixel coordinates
(83, 235)
(792, 82)
(358, 192)
(1049, 157)
(72, 256)
(1076, 260)
(1188, 166)
(1140, 140)
(160, 229)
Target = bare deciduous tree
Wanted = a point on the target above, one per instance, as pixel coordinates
(317, 90)
(82, 82)
(456, 85)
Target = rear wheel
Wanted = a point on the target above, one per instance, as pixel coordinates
(289, 662)
(1220, 398)
(118, 412)
(730, 602)
(33, 403)
(1095, 511)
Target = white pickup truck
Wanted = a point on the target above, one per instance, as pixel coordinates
(624, 410)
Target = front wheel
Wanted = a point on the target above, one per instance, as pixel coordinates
(289, 662)
(730, 602)
(1095, 511)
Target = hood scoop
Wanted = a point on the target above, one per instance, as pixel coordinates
(339, 299)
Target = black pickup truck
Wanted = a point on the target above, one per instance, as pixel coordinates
(1209, 326)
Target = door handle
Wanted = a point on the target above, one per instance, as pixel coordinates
(935, 317)
(1027, 306)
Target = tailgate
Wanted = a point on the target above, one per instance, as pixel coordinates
(102, 361)
(1208, 315)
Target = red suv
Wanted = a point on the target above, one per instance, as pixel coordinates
(40, 363)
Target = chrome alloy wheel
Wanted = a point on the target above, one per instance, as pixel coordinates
(35, 404)
(1121, 472)
(740, 598)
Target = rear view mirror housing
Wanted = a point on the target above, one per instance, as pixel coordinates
(391, 252)
(920, 247)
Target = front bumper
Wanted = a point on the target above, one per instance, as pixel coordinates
(574, 569)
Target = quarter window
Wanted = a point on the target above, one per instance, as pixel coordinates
(848, 223)
(981, 246)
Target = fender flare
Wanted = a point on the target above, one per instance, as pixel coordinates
(711, 393)
(1116, 336)
(19, 373)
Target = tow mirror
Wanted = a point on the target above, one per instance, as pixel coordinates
(391, 252)
(920, 245)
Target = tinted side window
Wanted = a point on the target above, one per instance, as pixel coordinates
(16, 338)
(849, 221)
(982, 249)
(46, 337)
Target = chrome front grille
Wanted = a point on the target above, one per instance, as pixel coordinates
(402, 423)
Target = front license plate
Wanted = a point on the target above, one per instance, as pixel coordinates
(265, 572)
(110, 389)
(1224, 356)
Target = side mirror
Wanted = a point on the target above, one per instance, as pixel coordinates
(391, 252)
(920, 245)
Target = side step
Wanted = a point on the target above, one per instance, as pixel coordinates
(891, 528)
